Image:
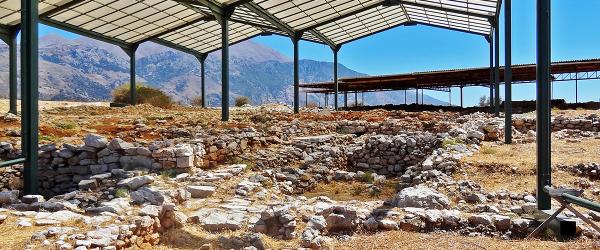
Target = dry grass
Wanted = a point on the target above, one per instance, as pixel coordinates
(14, 237)
(523, 156)
(410, 240)
(345, 191)
(194, 237)
(513, 167)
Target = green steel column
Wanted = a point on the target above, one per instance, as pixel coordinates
(224, 68)
(295, 41)
(461, 97)
(417, 96)
(12, 75)
(132, 84)
(335, 77)
(346, 99)
(497, 69)
(543, 104)
(29, 93)
(202, 59)
(507, 72)
(491, 100)
(576, 90)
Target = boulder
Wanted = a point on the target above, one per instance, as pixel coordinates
(215, 220)
(9, 197)
(144, 194)
(200, 191)
(95, 141)
(119, 144)
(134, 183)
(421, 197)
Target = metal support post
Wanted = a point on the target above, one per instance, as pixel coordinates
(295, 41)
(497, 69)
(405, 97)
(355, 98)
(417, 96)
(29, 93)
(507, 72)
(346, 99)
(335, 75)
(306, 99)
(576, 90)
(223, 19)
(543, 104)
(130, 51)
(461, 97)
(362, 96)
(422, 94)
(11, 41)
(491, 100)
(202, 60)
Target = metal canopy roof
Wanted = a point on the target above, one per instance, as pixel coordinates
(453, 78)
(191, 26)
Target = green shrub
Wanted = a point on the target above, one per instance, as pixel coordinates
(368, 178)
(196, 101)
(65, 125)
(167, 174)
(121, 193)
(145, 94)
(447, 142)
(241, 101)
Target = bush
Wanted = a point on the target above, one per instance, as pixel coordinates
(145, 95)
(196, 101)
(241, 101)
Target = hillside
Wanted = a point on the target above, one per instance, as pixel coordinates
(87, 70)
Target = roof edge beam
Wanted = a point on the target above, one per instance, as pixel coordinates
(449, 28)
(351, 13)
(427, 6)
(325, 40)
(61, 8)
(6, 30)
(204, 18)
(233, 43)
(176, 47)
(86, 33)
(270, 18)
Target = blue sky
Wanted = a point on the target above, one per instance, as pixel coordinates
(421, 48)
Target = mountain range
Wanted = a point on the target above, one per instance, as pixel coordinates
(84, 69)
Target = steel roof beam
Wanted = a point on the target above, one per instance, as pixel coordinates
(449, 28)
(175, 46)
(83, 32)
(324, 39)
(427, 6)
(270, 18)
(7, 31)
(233, 43)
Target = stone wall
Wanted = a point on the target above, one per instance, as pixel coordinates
(62, 168)
(588, 123)
(392, 155)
